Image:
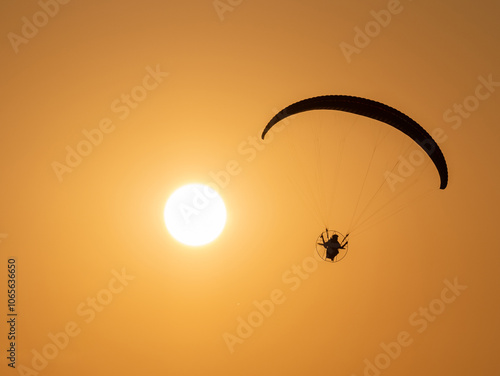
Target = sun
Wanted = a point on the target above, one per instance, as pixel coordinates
(195, 214)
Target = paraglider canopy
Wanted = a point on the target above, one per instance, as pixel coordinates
(374, 110)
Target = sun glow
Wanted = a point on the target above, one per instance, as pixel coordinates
(195, 214)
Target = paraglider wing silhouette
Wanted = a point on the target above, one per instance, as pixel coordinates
(374, 110)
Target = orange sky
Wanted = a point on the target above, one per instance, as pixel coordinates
(156, 94)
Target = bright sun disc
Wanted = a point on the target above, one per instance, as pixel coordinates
(195, 214)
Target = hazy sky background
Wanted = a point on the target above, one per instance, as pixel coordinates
(221, 72)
